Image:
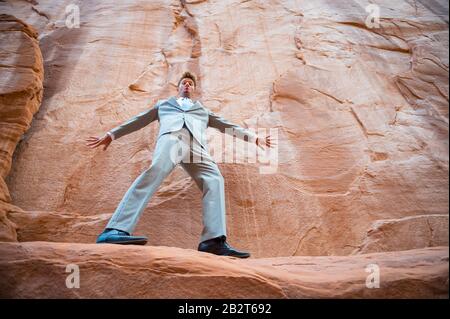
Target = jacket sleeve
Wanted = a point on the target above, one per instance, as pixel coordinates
(136, 123)
(222, 124)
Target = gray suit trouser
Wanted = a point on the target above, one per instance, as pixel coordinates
(173, 149)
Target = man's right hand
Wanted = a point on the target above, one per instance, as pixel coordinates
(94, 142)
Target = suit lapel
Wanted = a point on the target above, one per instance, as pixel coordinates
(173, 101)
(196, 106)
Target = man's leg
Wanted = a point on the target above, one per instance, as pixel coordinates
(208, 178)
(168, 153)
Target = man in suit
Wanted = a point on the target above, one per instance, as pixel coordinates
(181, 140)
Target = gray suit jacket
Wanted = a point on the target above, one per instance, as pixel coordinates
(172, 117)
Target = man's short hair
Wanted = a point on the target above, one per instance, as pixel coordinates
(188, 75)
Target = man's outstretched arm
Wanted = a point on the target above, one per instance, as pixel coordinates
(222, 125)
(225, 126)
(133, 124)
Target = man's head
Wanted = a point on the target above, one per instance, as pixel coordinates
(187, 84)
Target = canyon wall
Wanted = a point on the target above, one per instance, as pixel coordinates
(360, 111)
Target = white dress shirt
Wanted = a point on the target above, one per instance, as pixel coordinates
(185, 102)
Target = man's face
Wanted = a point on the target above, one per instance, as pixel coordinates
(187, 87)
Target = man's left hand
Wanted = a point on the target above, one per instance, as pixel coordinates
(267, 141)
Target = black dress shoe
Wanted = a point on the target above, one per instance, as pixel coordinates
(219, 246)
(115, 236)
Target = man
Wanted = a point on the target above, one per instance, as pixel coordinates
(181, 138)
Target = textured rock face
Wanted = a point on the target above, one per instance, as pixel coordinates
(168, 272)
(21, 75)
(406, 233)
(361, 115)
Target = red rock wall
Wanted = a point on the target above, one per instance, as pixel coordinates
(362, 117)
(21, 76)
